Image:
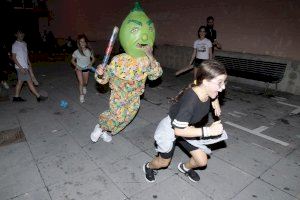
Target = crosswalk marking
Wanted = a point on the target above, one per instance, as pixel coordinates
(294, 112)
(237, 114)
(257, 132)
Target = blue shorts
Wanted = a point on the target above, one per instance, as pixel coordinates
(23, 76)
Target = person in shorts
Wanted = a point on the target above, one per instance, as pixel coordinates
(23, 67)
(82, 59)
(192, 105)
(202, 50)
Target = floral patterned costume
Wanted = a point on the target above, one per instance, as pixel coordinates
(127, 76)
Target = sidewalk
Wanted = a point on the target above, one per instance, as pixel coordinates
(260, 160)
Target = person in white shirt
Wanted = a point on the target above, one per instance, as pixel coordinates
(82, 59)
(202, 50)
(23, 68)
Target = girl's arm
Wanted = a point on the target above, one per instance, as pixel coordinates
(92, 60)
(73, 61)
(189, 131)
(210, 53)
(217, 44)
(214, 129)
(216, 106)
(193, 56)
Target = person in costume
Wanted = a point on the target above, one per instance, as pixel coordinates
(127, 74)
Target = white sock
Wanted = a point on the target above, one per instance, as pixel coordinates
(185, 169)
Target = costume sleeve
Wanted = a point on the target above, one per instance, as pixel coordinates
(154, 72)
(109, 71)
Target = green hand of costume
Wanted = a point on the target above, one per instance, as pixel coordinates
(137, 30)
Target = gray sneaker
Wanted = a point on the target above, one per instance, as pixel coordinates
(193, 176)
(105, 137)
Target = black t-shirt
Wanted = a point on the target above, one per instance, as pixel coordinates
(189, 110)
(211, 34)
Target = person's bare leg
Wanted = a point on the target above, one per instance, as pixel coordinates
(85, 78)
(195, 73)
(159, 162)
(80, 80)
(18, 88)
(198, 159)
(32, 88)
(33, 77)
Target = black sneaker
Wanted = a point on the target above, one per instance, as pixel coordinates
(18, 99)
(193, 176)
(149, 173)
(41, 98)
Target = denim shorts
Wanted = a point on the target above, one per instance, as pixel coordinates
(23, 76)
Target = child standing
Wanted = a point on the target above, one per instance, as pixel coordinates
(23, 67)
(202, 50)
(82, 58)
(192, 106)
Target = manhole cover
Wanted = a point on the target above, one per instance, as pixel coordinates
(11, 136)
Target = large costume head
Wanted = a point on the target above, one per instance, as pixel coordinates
(137, 30)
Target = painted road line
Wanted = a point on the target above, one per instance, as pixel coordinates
(263, 147)
(294, 112)
(235, 115)
(240, 113)
(260, 129)
(279, 98)
(257, 133)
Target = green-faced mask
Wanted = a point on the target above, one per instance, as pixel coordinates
(136, 30)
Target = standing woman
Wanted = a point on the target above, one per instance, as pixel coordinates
(202, 50)
(192, 105)
(82, 58)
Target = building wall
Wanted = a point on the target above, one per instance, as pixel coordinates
(267, 27)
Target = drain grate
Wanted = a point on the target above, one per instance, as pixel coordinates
(11, 136)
